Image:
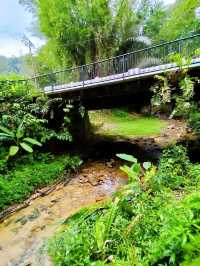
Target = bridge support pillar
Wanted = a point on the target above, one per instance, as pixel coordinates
(80, 124)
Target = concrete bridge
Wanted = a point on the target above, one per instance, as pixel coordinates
(131, 74)
(119, 80)
(122, 79)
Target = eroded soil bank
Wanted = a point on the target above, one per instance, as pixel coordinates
(23, 233)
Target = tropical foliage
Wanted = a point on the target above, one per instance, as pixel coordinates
(18, 181)
(26, 125)
(18, 139)
(178, 90)
(25, 117)
(100, 29)
(98, 26)
(144, 224)
(154, 220)
(181, 20)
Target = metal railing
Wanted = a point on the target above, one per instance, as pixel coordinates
(129, 64)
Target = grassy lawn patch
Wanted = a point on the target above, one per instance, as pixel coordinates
(122, 123)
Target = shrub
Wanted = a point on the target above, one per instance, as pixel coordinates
(158, 231)
(194, 119)
(179, 227)
(21, 180)
(139, 227)
(25, 116)
(194, 176)
(173, 168)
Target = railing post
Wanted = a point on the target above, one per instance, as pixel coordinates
(123, 65)
(179, 47)
(83, 75)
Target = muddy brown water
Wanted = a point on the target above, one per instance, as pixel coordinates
(23, 234)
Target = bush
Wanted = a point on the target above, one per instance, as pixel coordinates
(176, 171)
(194, 119)
(25, 115)
(158, 231)
(21, 180)
(178, 228)
(173, 168)
(143, 225)
(194, 176)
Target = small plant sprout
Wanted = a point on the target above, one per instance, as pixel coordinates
(134, 171)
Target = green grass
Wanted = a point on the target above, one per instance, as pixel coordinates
(19, 182)
(121, 123)
(145, 224)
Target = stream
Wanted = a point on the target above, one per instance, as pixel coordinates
(24, 232)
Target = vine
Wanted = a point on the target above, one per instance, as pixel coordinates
(177, 89)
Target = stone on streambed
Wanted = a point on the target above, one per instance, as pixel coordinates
(100, 197)
(26, 218)
(111, 163)
(83, 179)
(55, 200)
(93, 180)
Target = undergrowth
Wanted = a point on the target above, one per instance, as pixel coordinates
(28, 121)
(19, 181)
(153, 220)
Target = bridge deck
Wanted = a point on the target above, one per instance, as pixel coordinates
(131, 74)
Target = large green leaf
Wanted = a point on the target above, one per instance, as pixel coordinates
(13, 150)
(127, 170)
(26, 147)
(127, 157)
(5, 135)
(7, 131)
(146, 165)
(136, 168)
(33, 141)
(20, 132)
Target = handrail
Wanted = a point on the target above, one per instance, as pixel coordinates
(105, 60)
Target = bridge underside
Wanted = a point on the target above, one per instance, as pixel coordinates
(134, 92)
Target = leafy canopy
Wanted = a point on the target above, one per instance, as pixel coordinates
(181, 20)
(83, 31)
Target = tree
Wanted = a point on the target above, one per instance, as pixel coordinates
(13, 65)
(31, 7)
(81, 31)
(181, 20)
(154, 20)
(150, 15)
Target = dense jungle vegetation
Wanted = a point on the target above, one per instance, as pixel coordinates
(155, 218)
(25, 134)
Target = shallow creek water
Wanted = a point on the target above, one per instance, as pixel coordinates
(23, 233)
